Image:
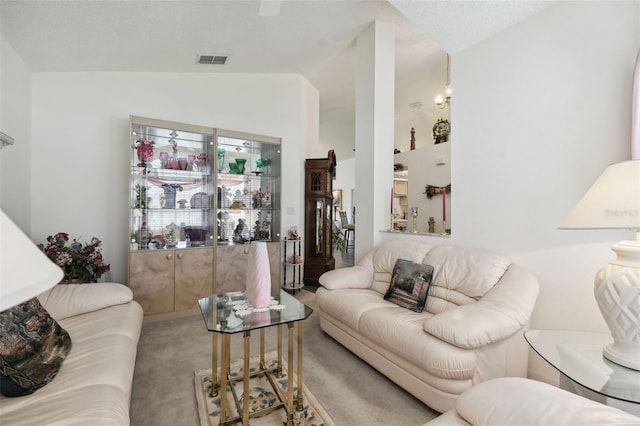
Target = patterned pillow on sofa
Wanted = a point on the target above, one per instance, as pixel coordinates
(32, 348)
(410, 284)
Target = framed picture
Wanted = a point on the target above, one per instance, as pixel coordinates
(337, 199)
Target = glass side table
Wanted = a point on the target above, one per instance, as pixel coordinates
(220, 319)
(577, 355)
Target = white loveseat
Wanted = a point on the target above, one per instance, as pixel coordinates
(478, 307)
(93, 385)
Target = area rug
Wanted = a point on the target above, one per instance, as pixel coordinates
(261, 396)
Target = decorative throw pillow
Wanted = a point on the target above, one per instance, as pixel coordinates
(32, 348)
(409, 284)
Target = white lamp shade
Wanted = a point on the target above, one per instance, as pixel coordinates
(613, 201)
(25, 271)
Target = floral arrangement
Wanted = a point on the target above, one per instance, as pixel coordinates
(80, 263)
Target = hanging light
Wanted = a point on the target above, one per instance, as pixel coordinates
(443, 101)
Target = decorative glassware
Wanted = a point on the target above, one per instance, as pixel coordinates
(170, 194)
(183, 163)
(164, 160)
(233, 168)
(202, 163)
(144, 149)
(221, 154)
(240, 162)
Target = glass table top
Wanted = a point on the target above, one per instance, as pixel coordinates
(578, 355)
(220, 317)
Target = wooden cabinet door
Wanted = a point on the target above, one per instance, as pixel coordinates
(193, 277)
(232, 264)
(151, 278)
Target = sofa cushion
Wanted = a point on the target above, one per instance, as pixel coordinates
(67, 300)
(348, 305)
(93, 386)
(357, 276)
(462, 275)
(399, 331)
(32, 348)
(409, 284)
(385, 256)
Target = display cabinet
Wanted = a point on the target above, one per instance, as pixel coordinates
(318, 259)
(171, 187)
(247, 204)
(198, 197)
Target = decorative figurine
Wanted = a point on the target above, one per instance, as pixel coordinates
(413, 138)
(293, 233)
(237, 233)
(432, 225)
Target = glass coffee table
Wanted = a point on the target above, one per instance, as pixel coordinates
(577, 355)
(221, 319)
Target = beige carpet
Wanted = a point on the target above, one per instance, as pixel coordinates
(261, 396)
(352, 392)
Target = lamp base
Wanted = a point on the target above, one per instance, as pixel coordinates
(617, 291)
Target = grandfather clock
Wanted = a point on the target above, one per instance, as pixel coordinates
(318, 213)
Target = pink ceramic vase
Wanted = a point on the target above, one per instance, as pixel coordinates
(258, 284)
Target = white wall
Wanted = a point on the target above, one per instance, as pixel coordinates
(15, 121)
(375, 77)
(423, 171)
(345, 180)
(80, 148)
(424, 91)
(539, 111)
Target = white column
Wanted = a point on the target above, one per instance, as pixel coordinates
(375, 93)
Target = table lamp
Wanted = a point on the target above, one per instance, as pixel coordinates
(25, 271)
(612, 202)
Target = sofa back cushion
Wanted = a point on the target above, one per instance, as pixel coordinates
(462, 275)
(385, 256)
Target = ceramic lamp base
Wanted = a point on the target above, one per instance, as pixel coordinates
(617, 291)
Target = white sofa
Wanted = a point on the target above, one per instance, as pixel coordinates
(478, 307)
(93, 385)
(524, 402)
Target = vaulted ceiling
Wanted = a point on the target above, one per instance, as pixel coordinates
(313, 38)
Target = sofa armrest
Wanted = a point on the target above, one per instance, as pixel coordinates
(519, 401)
(352, 277)
(67, 300)
(501, 312)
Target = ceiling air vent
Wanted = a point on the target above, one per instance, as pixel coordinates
(211, 60)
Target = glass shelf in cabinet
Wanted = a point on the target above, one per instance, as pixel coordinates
(173, 173)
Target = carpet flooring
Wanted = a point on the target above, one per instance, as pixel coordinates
(352, 392)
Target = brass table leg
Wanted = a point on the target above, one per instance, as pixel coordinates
(246, 379)
(279, 350)
(215, 385)
(262, 346)
(299, 405)
(290, 374)
(224, 371)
